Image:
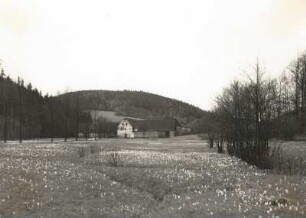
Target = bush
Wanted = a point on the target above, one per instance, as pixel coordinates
(255, 153)
(81, 151)
(114, 159)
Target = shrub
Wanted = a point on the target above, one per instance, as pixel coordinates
(114, 159)
(81, 151)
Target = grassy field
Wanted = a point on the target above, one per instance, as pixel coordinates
(178, 177)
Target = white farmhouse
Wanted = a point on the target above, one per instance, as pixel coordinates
(125, 129)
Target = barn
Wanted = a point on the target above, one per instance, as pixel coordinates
(135, 128)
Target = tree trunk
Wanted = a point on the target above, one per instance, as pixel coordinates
(20, 115)
(77, 119)
(52, 121)
(66, 118)
(5, 123)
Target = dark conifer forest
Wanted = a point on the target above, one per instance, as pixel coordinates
(26, 114)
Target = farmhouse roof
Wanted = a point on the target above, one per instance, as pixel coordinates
(154, 125)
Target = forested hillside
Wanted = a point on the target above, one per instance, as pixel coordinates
(136, 104)
(26, 114)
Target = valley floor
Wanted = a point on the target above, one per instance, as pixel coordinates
(176, 177)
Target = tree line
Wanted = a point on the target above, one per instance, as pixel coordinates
(26, 114)
(249, 113)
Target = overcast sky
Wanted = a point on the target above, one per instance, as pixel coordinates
(188, 50)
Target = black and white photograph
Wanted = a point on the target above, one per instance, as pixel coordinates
(152, 109)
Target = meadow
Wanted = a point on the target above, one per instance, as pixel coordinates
(175, 177)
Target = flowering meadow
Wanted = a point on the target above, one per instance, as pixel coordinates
(175, 177)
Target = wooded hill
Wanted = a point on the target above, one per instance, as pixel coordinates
(136, 104)
(26, 114)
